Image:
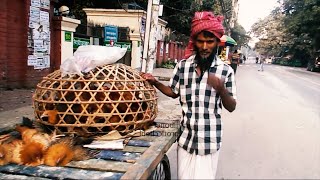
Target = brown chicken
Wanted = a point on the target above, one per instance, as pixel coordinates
(32, 153)
(29, 135)
(51, 115)
(64, 151)
(114, 119)
(10, 152)
(34, 145)
(126, 96)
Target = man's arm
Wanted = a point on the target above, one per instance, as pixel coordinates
(227, 100)
(163, 88)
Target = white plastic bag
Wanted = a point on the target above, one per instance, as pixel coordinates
(89, 57)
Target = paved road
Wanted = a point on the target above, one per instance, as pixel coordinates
(275, 131)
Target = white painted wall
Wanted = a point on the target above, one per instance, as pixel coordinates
(67, 24)
(122, 18)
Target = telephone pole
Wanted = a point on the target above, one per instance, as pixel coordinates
(150, 39)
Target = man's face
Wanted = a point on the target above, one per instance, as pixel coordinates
(205, 45)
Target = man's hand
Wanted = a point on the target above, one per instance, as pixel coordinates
(164, 89)
(215, 82)
(147, 76)
(228, 102)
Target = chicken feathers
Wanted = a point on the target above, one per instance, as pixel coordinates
(34, 146)
(32, 154)
(60, 153)
(64, 151)
(52, 116)
(10, 152)
(29, 135)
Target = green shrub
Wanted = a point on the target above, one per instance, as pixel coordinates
(169, 65)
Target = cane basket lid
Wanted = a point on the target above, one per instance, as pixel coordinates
(111, 97)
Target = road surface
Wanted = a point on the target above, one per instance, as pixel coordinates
(275, 131)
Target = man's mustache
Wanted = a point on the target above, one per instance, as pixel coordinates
(204, 51)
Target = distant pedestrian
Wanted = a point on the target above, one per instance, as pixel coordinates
(257, 60)
(262, 60)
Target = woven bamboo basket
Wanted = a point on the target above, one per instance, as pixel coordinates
(111, 97)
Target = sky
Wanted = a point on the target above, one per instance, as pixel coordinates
(251, 10)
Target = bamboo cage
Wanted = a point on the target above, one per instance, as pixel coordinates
(111, 97)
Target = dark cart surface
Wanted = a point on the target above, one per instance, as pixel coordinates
(142, 157)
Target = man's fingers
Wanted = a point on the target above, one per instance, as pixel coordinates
(147, 76)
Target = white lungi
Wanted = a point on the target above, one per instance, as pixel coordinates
(192, 166)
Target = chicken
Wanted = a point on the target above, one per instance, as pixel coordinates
(61, 107)
(32, 153)
(107, 108)
(92, 108)
(114, 119)
(29, 135)
(114, 96)
(126, 96)
(129, 118)
(134, 107)
(85, 96)
(51, 115)
(64, 151)
(10, 152)
(59, 154)
(100, 96)
(70, 96)
(81, 132)
(34, 145)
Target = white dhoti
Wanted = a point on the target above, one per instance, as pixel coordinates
(192, 166)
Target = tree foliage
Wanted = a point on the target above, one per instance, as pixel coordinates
(239, 34)
(291, 29)
(302, 19)
(271, 33)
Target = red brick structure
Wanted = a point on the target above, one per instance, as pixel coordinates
(14, 71)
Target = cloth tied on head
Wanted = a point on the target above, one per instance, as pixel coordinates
(204, 21)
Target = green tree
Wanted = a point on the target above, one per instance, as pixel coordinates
(239, 34)
(272, 34)
(302, 20)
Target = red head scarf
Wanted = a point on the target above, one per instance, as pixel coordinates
(204, 21)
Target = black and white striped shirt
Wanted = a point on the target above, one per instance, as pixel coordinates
(201, 126)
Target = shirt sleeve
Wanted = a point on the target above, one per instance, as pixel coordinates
(174, 82)
(231, 85)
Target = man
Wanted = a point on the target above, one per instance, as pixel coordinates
(203, 82)
(235, 61)
(262, 60)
